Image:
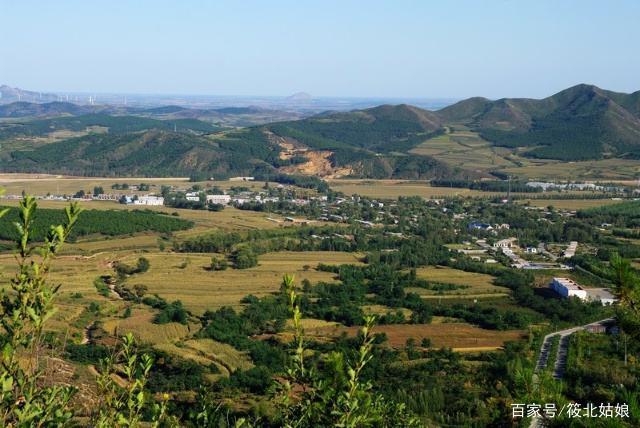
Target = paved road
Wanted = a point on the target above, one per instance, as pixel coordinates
(561, 356)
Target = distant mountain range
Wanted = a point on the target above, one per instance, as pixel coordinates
(9, 94)
(580, 123)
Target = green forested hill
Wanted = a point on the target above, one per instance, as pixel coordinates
(382, 129)
(579, 123)
(371, 143)
(114, 124)
(151, 153)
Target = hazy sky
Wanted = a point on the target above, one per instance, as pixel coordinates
(369, 48)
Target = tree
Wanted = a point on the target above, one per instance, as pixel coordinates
(218, 263)
(143, 265)
(627, 288)
(25, 398)
(123, 405)
(24, 311)
(98, 190)
(345, 400)
(140, 290)
(244, 258)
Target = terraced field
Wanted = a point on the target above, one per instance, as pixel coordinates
(205, 289)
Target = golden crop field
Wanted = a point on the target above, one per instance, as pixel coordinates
(42, 184)
(478, 285)
(200, 289)
(140, 323)
(458, 336)
(570, 204)
(393, 189)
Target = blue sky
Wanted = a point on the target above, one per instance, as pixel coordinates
(371, 48)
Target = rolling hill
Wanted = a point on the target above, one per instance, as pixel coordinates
(148, 153)
(579, 123)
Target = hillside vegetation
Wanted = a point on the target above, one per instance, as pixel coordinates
(467, 140)
(579, 123)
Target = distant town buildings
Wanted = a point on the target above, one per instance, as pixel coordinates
(476, 225)
(218, 199)
(192, 196)
(505, 243)
(149, 200)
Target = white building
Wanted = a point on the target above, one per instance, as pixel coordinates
(568, 288)
(192, 196)
(242, 179)
(505, 243)
(149, 200)
(571, 250)
(218, 199)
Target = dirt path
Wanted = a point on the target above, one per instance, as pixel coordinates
(86, 337)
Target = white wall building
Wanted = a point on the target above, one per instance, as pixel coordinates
(218, 199)
(149, 200)
(568, 288)
(505, 243)
(192, 196)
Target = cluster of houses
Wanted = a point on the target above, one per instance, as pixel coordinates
(485, 227)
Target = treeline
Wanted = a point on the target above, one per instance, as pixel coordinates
(487, 186)
(304, 181)
(624, 214)
(111, 223)
(115, 124)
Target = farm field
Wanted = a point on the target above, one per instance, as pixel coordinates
(465, 149)
(206, 289)
(477, 285)
(396, 188)
(570, 204)
(458, 336)
(228, 219)
(607, 169)
(41, 184)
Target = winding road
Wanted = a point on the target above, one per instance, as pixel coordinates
(561, 356)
